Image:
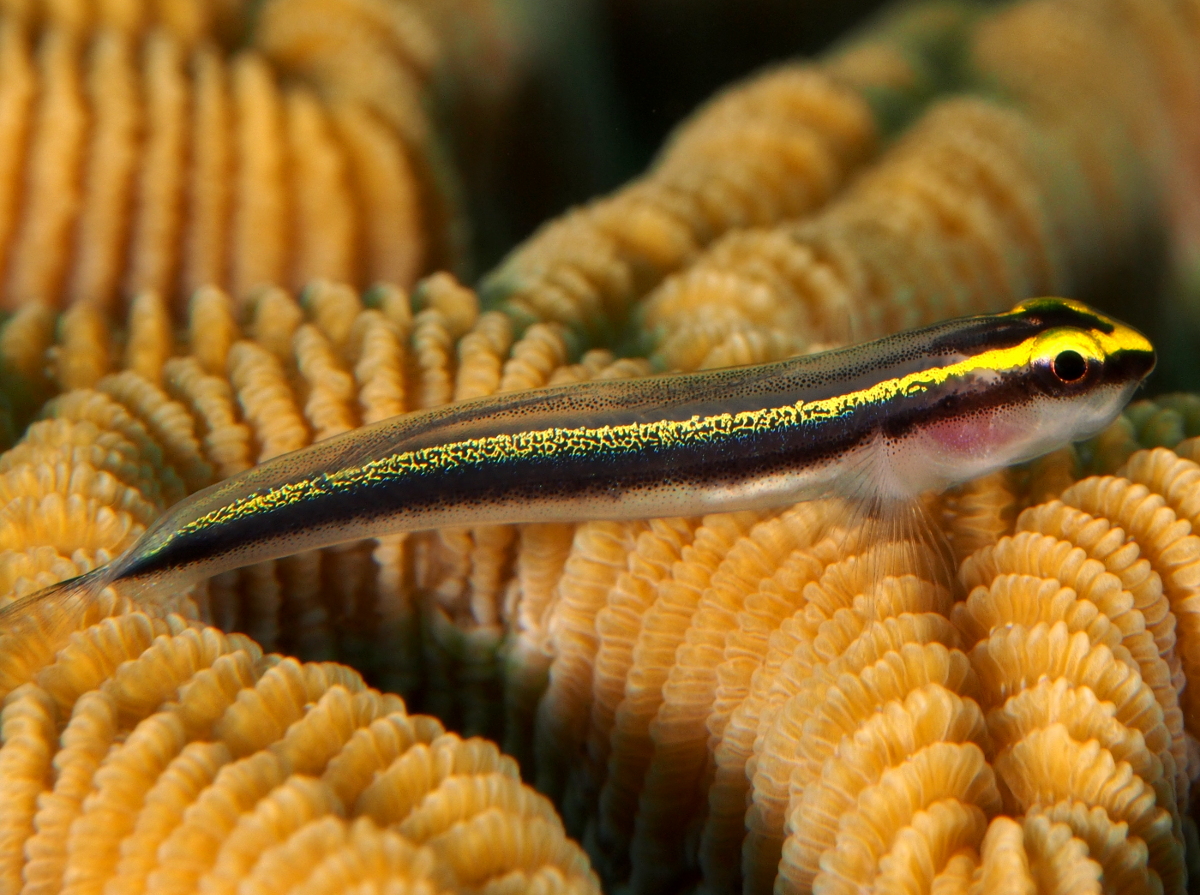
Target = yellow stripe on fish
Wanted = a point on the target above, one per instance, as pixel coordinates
(877, 423)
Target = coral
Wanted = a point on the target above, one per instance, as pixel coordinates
(900, 248)
(776, 146)
(802, 127)
(189, 22)
(146, 150)
(1082, 626)
(693, 665)
(775, 701)
(1135, 65)
(737, 662)
(154, 754)
(978, 205)
(158, 423)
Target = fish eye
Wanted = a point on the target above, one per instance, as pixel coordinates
(1069, 366)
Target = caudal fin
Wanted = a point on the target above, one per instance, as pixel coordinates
(43, 619)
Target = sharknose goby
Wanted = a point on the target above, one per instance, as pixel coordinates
(876, 423)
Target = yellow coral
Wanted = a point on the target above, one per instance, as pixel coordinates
(143, 153)
(247, 392)
(774, 147)
(128, 764)
(710, 601)
(892, 252)
(738, 695)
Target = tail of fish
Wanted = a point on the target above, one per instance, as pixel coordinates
(48, 616)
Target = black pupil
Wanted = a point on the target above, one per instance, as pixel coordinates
(1069, 366)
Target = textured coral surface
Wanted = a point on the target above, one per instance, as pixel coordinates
(783, 701)
(185, 760)
(149, 147)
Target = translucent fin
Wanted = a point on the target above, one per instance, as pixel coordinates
(897, 542)
(843, 325)
(53, 612)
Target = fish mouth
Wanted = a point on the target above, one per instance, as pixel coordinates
(1130, 364)
(1131, 356)
(1135, 365)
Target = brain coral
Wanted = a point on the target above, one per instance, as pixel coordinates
(773, 147)
(680, 659)
(156, 755)
(729, 702)
(146, 147)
